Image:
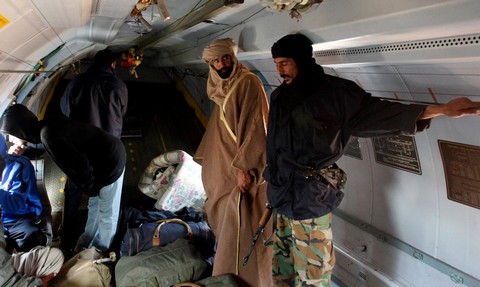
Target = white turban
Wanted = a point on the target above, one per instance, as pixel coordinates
(219, 48)
(217, 88)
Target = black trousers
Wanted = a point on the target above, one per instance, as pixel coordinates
(25, 233)
(70, 230)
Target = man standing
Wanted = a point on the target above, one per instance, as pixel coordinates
(312, 118)
(93, 159)
(232, 155)
(97, 97)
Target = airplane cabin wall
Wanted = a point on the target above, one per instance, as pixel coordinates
(413, 235)
(397, 226)
(415, 208)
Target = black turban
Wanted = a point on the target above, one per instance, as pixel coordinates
(104, 57)
(295, 46)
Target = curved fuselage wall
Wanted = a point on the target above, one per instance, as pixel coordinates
(410, 213)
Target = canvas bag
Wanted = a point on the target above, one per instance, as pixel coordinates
(84, 269)
(225, 280)
(166, 265)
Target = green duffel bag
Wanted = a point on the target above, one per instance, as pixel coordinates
(167, 265)
(225, 280)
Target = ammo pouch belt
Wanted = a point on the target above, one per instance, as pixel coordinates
(332, 175)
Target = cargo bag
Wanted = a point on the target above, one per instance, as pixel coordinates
(225, 280)
(165, 231)
(166, 265)
(84, 269)
(136, 216)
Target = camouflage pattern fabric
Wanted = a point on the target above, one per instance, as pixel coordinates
(303, 252)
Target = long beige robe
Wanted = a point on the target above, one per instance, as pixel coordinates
(233, 217)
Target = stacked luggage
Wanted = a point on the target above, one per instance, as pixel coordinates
(167, 244)
(171, 243)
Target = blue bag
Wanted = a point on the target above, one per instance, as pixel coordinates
(162, 232)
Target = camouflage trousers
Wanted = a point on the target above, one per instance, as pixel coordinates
(303, 252)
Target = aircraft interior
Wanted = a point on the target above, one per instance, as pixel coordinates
(410, 215)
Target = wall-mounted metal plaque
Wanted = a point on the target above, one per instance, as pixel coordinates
(353, 149)
(398, 152)
(461, 164)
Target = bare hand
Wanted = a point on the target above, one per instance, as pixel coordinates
(16, 149)
(47, 278)
(455, 108)
(244, 181)
(461, 107)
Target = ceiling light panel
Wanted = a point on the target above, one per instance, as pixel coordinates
(29, 23)
(65, 14)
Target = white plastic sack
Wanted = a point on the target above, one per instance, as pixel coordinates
(179, 185)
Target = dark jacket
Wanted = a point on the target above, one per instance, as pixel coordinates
(97, 97)
(310, 123)
(89, 156)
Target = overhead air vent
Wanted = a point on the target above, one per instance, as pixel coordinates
(405, 46)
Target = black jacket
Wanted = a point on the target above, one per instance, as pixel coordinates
(310, 123)
(89, 156)
(97, 97)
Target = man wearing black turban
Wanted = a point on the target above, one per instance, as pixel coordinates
(312, 118)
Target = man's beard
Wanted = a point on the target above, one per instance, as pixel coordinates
(283, 76)
(225, 72)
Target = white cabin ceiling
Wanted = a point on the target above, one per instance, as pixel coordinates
(46, 24)
(353, 39)
(31, 29)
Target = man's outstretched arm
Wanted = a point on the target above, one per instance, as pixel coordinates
(455, 108)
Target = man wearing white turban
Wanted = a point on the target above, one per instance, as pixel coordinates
(232, 155)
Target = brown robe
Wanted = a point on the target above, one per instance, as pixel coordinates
(234, 217)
